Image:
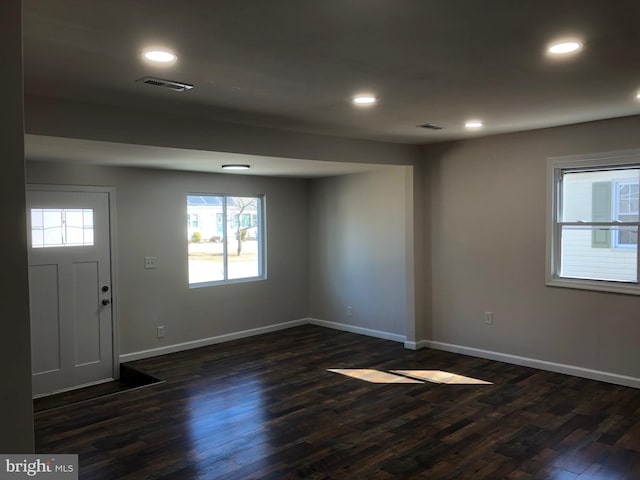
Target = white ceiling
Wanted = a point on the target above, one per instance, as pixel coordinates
(295, 64)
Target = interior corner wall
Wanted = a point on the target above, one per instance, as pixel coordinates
(151, 221)
(422, 253)
(357, 250)
(488, 220)
(16, 417)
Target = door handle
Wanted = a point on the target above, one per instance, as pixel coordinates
(105, 288)
(106, 301)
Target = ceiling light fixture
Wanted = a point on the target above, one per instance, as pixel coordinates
(430, 126)
(364, 100)
(565, 47)
(236, 166)
(160, 56)
(474, 124)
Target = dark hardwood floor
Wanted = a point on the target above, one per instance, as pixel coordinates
(267, 407)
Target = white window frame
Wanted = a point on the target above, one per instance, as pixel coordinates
(555, 167)
(262, 246)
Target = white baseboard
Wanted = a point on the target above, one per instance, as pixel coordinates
(154, 352)
(204, 342)
(416, 345)
(354, 329)
(535, 363)
(473, 352)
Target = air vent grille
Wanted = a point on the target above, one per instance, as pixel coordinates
(170, 84)
(430, 126)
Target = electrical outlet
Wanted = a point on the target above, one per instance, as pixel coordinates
(150, 262)
(349, 311)
(488, 318)
(160, 332)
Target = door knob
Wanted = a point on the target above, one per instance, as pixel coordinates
(106, 301)
(105, 288)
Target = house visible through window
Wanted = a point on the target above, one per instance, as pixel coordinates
(626, 210)
(225, 238)
(593, 227)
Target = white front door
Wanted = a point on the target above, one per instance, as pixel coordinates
(69, 288)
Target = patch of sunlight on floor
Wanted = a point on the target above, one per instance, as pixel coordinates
(408, 376)
(438, 376)
(373, 376)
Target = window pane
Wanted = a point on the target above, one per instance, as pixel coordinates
(74, 218)
(243, 253)
(87, 220)
(590, 253)
(88, 236)
(223, 234)
(627, 236)
(205, 236)
(52, 221)
(37, 232)
(73, 223)
(61, 227)
(626, 201)
(601, 196)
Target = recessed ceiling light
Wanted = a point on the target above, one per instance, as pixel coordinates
(638, 95)
(364, 100)
(236, 167)
(160, 56)
(473, 124)
(563, 48)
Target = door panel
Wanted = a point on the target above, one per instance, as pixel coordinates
(69, 264)
(86, 286)
(45, 318)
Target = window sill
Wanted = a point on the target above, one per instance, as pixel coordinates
(227, 282)
(595, 285)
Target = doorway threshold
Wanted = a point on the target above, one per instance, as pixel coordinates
(130, 379)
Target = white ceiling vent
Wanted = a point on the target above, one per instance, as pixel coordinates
(170, 84)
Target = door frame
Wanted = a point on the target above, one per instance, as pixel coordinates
(111, 193)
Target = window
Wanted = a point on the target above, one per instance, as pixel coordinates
(192, 220)
(593, 220)
(626, 209)
(63, 227)
(229, 245)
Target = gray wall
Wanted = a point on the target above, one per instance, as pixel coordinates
(16, 419)
(151, 213)
(46, 116)
(488, 200)
(358, 250)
